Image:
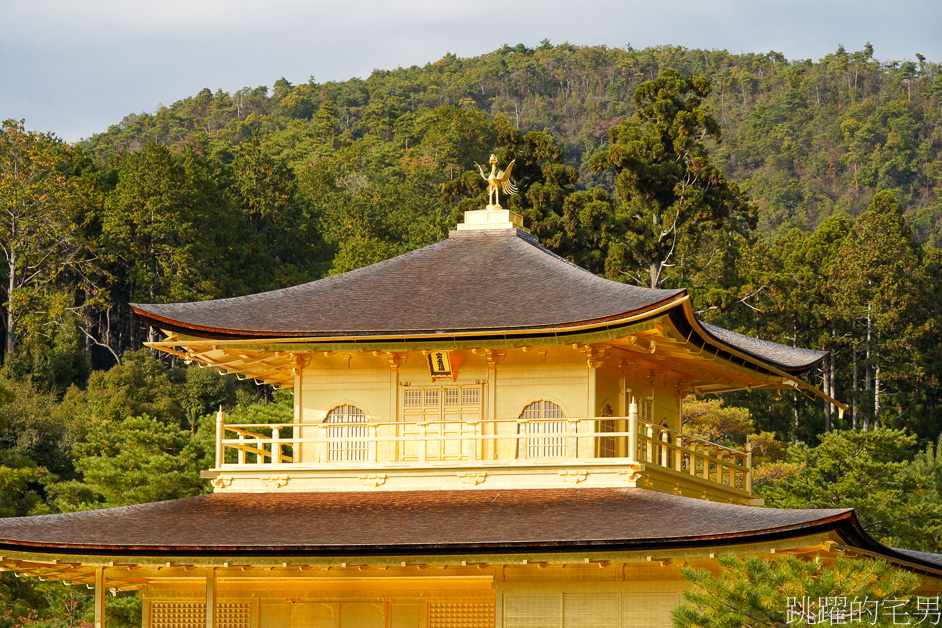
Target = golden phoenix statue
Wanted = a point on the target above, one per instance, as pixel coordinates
(497, 180)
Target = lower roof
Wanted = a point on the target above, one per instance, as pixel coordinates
(426, 522)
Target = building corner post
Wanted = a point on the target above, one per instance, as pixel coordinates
(100, 592)
(220, 434)
(210, 597)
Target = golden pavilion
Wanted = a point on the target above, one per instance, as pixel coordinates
(484, 435)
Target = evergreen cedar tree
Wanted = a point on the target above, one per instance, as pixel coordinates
(672, 194)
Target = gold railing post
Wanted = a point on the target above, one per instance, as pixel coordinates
(275, 445)
(220, 434)
(424, 444)
(572, 438)
(663, 438)
(373, 453)
(633, 431)
(241, 448)
(322, 453)
(523, 444)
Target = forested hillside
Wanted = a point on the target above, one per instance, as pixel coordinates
(806, 139)
(798, 201)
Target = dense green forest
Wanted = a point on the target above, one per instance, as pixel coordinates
(798, 201)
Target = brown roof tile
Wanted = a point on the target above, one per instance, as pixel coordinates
(473, 281)
(783, 356)
(408, 522)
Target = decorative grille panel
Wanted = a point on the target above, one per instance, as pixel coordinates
(532, 611)
(193, 615)
(460, 615)
(178, 615)
(233, 615)
(431, 397)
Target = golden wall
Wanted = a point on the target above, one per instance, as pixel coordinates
(488, 384)
(522, 596)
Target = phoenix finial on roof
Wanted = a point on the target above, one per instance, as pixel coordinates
(497, 180)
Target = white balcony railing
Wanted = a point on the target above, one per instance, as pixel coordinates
(614, 440)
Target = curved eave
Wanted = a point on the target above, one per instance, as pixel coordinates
(843, 525)
(689, 323)
(677, 308)
(834, 523)
(701, 336)
(789, 373)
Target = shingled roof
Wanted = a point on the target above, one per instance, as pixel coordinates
(473, 281)
(476, 281)
(429, 523)
(379, 523)
(781, 355)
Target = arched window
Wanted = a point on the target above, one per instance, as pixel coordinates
(545, 446)
(350, 423)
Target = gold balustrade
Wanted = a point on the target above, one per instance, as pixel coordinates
(614, 440)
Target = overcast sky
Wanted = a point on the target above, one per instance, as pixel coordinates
(74, 67)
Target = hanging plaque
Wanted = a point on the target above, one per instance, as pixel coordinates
(439, 364)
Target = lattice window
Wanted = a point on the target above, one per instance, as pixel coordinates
(452, 397)
(470, 396)
(544, 447)
(606, 444)
(645, 408)
(348, 419)
(412, 398)
(441, 403)
(460, 615)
